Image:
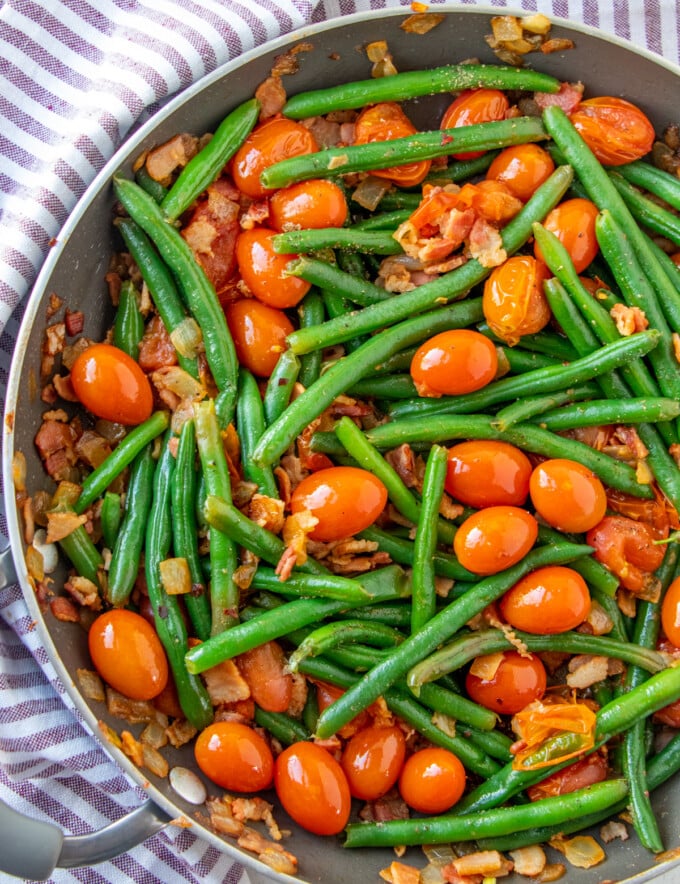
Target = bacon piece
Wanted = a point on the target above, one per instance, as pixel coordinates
(55, 441)
(225, 684)
(568, 97)
(628, 319)
(390, 807)
(272, 97)
(162, 161)
(64, 609)
(486, 244)
(156, 350)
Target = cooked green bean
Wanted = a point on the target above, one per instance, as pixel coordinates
(535, 407)
(383, 220)
(330, 586)
(402, 551)
(280, 385)
(284, 728)
(648, 213)
(423, 588)
(311, 311)
(609, 411)
(110, 517)
(460, 708)
(328, 277)
(154, 188)
(377, 242)
(250, 424)
(653, 179)
(128, 326)
(330, 635)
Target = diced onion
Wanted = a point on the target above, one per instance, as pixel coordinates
(187, 337)
(175, 576)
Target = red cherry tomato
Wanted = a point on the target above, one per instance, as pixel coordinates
(573, 223)
(235, 757)
(315, 203)
(471, 107)
(615, 130)
(432, 780)
(513, 301)
(494, 538)
(569, 496)
(670, 613)
(486, 472)
(586, 772)
(128, 654)
(516, 682)
(264, 670)
(264, 271)
(547, 601)
(313, 789)
(628, 549)
(110, 384)
(345, 500)
(259, 332)
(270, 142)
(456, 361)
(669, 715)
(522, 168)
(385, 122)
(372, 761)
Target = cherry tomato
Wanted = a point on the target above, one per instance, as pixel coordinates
(345, 500)
(494, 538)
(628, 549)
(128, 654)
(669, 715)
(235, 757)
(513, 301)
(328, 693)
(516, 682)
(569, 496)
(111, 385)
(573, 223)
(272, 141)
(259, 332)
(547, 601)
(264, 670)
(471, 107)
(315, 203)
(385, 122)
(486, 472)
(313, 789)
(264, 271)
(522, 168)
(432, 780)
(372, 761)
(586, 772)
(670, 613)
(456, 361)
(615, 130)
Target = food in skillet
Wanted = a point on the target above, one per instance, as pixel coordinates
(376, 485)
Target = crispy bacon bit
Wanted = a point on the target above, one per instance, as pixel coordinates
(84, 591)
(586, 670)
(390, 807)
(271, 95)
(180, 732)
(612, 830)
(486, 244)
(156, 350)
(64, 609)
(55, 441)
(256, 810)
(568, 97)
(64, 388)
(133, 711)
(74, 322)
(154, 735)
(295, 530)
(268, 512)
(628, 319)
(403, 460)
(221, 817)
(53, 305)
(400, 873)
(92, 448)
(91, 685)
(162, 161)
(225, 684)
(327, 133)
(287, 63)
(298, 694)
(132, 748)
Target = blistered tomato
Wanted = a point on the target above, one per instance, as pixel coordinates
(345, 500)
(547, 601)
(309, 204)
(522, 168)
(372, 761)
(494, 538)
(111, 385)
(235, 757)
(569, 496)
(264, 271)
(259, 332)
(513, 301)
(432, 780)
(629, 549)
(272, 141)
(475, 106)
(586, 772)
(385, 122)
(456, 361)
(128, 654)
(313, 789)
(670, 613)
(487, 472)
(615, 130)
(515, 682)
(573, 223)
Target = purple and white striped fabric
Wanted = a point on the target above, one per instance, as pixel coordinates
(75, 77)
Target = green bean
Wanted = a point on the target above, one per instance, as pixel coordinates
(284, 728)
(128, 326)
(207, 164)
(154, 188)
(337, 305)
(185, 529)
(436, 630)
(461, 170)
(565, 311)
(547, 342)
(396, 200)
(122, 456)
(609, 411)
(459, 708)
(250, 424)
(328, 277)
(310, 713)
(394, 387)
(423, 589)
(110, 516)
(520, 360)
(383, 220)
(412, 84)
(340, 632)
(536, 407)
(648, 213)
(168, 618)
(397, 614)
(400, 361)
(377, 242)
(311, 312)
(595, 574)
(653, 179)
(126, 553)
(331, 586)
(78, 545)
(402, 551)
(280, 385)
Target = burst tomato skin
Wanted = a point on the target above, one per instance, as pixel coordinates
(385, 122)
(670, 613)
(432, 780)
(494, 538)
(516, 682)
(453, 362)
(615, 130)
(110, 384)
(264, 271)
(522, 168)
(345, 500)
(235, 757)
(471, 107)
(313, 788)
(585, 772)
(513, 301)
(272, 141)
(309, 204)
(628, 549)
(547, 601)
(573, 223)
(488, 472)
(569, 496)
(259, 332)
(128, 654)
(372, 761)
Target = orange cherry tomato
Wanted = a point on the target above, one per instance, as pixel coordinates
(259, 332)
(547, 601)
(385, 122)
(309, 204)
(313, 788)
(235, 757)
(573, 223)
(586, 772)
(494, 538)
(615, 130)
(264, 271)
(328, 693)
(471, 107)
(345, 500)
(432, 780)
(264, 670)
(513, 301)
(486, 472)
(670, 613)
(110, 384)
(522, 168)
(128, 654)
(516, 682)
(372, 761)
(456, 361)
(569, 496)
(628, 549)
(270, 142)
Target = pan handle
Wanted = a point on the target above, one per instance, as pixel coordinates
(8, 572)
(33, 849)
